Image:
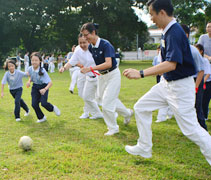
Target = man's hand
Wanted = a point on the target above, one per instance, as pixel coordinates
(132, 73)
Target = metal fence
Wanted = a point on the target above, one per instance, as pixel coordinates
(139, 55)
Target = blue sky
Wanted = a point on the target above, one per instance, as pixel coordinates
(144, 16)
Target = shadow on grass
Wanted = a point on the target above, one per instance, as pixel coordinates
(29, 152)
(161, 169)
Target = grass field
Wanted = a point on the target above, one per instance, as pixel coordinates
(67, 147)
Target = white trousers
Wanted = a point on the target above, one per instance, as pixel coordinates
(42, 64)
(19, 65)
(88, 95)
(180, 96)
(164, 113)
(59, 65)
(80, 85)
(74, 77)
(51, 67)
(87, 88)
(26, 66)
(108, 90)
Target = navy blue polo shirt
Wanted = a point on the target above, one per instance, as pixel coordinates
(175, 47)
(104, 50)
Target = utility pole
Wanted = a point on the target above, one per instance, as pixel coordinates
(137, 45)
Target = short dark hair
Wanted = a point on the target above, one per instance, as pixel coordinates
(200, 47)
(90, 27)
(158, 5)
(186, 29)
(9, 61)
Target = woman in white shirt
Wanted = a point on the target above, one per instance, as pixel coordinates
(87, 83)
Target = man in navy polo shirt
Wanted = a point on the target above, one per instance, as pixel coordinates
(176, 89)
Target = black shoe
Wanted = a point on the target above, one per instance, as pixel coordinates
(71, 91)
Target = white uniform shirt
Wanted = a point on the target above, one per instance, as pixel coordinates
(83, 57)
(209, 79)
(198, 59)
(51, 59)
(205, 40)
(26, 58)
(206, 66)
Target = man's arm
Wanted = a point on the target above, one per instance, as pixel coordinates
(155, 70)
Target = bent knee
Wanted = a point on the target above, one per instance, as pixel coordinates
(44, 104)
(17, 102)
(139, 106)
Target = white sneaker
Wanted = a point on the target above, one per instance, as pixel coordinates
(169, 117)
(84, 116)
(136, 150)
(56, 110)
(159, 120)
(42, 120)
(18, 119)
(128, 118)
(27, 113)
(96, 117)
(110, 133)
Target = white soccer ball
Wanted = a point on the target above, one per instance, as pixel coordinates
(25, 143)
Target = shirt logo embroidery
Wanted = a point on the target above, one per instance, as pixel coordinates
(163, 43)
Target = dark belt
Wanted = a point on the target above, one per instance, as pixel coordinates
(106, 71)
(16, 89)
(92, 76)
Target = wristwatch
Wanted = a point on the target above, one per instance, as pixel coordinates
(142, 73)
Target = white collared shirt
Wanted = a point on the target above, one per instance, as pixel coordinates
(97, 43)
(173, 21)
(83, 57)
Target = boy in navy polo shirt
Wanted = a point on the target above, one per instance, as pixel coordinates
(176, 89)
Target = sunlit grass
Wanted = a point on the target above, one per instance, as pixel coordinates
(67, 147)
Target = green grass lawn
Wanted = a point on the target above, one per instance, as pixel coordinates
(67, 147)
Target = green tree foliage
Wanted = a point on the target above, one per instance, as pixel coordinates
(116, 19)
(8, 35)
(52, 25)
(188, 12)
